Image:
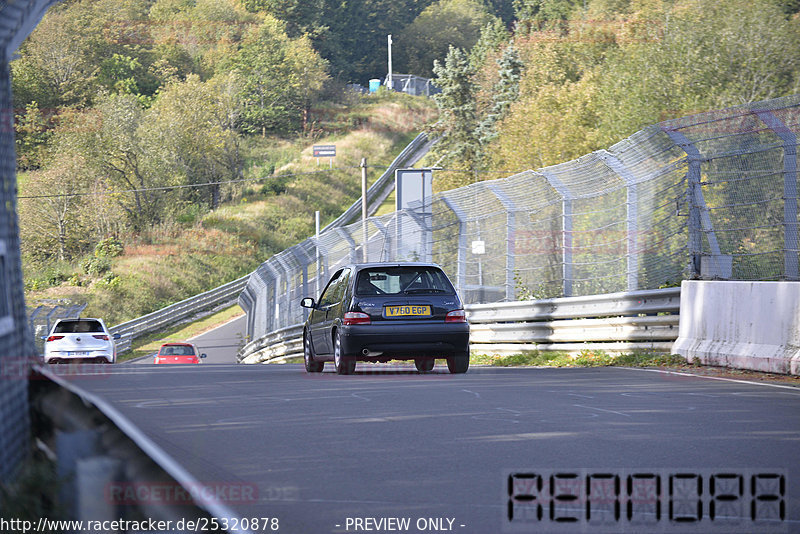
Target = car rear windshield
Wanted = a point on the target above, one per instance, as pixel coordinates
(78, 326)
(177, 350)
(402, 280)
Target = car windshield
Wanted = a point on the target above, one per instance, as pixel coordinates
(77, 326)
(402, 280)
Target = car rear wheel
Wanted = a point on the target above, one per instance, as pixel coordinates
(424, 365)
(343, 365)
(308, 357)
(458, 364)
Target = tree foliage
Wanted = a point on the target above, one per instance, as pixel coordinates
(446, 23)
(280, 76)
(457, 111)
(621, 65)
(506, 92)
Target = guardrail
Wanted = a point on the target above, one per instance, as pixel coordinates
(275, 346)
(221, 296)
(103, 459)
(614, 322)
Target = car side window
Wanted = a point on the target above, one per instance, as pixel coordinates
(328, 296)
(341, 286)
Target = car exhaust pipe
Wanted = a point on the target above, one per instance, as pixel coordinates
(369, 354)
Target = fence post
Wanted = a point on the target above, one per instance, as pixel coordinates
(790, 239)
(271, 311)
(350, 241)
(461, 253)
(423, 223)
(286, 293)
(631, 216)
(566, 224)
(699, 219)
(386, 246)
(511, 229)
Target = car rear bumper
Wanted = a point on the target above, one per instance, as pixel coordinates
(71, 356)
(404, 341)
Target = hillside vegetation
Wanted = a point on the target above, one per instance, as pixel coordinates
(135, 272)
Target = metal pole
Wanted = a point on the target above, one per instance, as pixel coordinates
(364, 209)
(791, 242)
(389, 77)
(566, 229)
(316, 242)
(699, 219)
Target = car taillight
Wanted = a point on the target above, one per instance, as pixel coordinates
(101, 336)
(55, 338)
(356, 318)
(456, 316)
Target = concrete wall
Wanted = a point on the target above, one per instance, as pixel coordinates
(747, 325)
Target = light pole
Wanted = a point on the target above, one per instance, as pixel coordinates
(364, 236)
(389, 76)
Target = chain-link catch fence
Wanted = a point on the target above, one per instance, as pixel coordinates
(709, 196)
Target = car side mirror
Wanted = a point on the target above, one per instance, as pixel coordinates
(117, 336)
(204, 355)
(307, 302)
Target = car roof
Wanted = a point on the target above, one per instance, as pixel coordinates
(177, 343)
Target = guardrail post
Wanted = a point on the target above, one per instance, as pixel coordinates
(566, 217)
(791, 243)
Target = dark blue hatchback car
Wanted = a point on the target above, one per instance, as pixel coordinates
(377, 312)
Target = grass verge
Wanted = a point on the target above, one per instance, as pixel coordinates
(586, 358)
(146, 345)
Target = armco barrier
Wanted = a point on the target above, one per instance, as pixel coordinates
(747, 325)
(275, 346)
(615, 322)
(227, 294)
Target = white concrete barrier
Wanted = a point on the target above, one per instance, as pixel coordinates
(746, 325)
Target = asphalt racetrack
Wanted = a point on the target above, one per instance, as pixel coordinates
(496, 450)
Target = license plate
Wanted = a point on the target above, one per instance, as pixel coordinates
(77, 354)
(405, 311)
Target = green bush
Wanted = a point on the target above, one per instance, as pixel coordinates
(111, 280)
(111, 247)
(96, 265)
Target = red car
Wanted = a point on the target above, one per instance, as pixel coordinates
(178, 353)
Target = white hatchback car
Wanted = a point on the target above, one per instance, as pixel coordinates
(80, 340)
